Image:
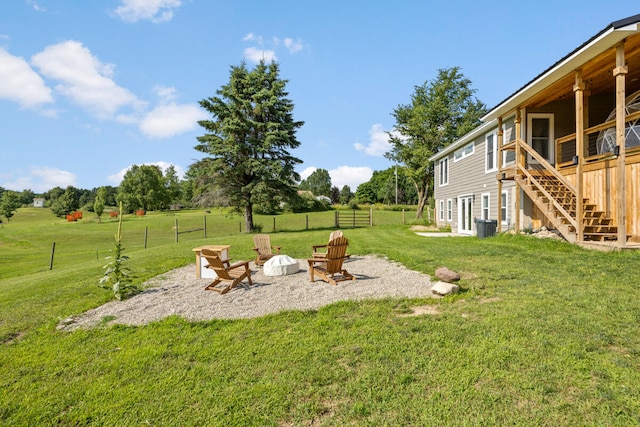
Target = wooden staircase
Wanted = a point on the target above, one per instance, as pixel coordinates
(558, 203)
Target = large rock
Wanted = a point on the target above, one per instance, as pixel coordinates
(444, 288)
(446, 275)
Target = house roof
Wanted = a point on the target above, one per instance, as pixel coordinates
(596, 45)
(602, 41)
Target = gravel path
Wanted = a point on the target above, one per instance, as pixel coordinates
(179, 292)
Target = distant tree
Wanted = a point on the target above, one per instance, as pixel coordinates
(9, 203)
(26, 197)
(335, 195)
(98, 203)
(53, 194)
(66, 203)
(248, 138)
(345, 195)
(440, 112)
(366, 193)
(142, 187)
(172, 185)
(319, 183)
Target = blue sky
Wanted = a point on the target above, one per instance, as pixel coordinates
(89, 88)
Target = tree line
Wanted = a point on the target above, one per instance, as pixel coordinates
(248, 165)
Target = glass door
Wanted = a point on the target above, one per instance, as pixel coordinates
(540, 134)
(465, 214)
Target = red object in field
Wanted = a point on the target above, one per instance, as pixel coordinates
(113, 214)
(78, 215)
(71, 218)
(140, 212)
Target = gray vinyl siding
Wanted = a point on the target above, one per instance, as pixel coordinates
(467, 177)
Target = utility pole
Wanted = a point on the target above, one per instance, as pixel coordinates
(396, 174)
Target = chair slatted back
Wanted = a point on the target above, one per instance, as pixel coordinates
(336, 251)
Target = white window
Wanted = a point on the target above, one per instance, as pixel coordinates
(505, 208)
(449, 210)
(485, 206)
(463, 152)
(444, 171)
(491, 147)
(540, 134)
(441, 211)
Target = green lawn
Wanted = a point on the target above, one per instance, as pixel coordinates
(544, 333)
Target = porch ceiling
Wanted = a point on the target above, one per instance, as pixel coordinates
(597, 74)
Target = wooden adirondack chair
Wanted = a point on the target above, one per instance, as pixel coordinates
(229, 275)
(320, 251)
(329, 267)
(264, 250)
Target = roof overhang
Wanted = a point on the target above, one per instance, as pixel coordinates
(600, 43)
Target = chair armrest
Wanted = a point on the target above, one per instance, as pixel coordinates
(256, 249)
(239, 264)
(318, 246)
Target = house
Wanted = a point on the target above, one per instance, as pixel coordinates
(38, 202)
(563, 151)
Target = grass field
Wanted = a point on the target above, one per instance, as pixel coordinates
(544, 333)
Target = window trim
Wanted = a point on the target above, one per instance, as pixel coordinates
(449, 210)
(441, 211)
(494, 137)
(484, 208)
(461, 153)
(443, 179)
(505, 220)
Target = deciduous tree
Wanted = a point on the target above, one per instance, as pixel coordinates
(9, 203)
(440, 112)
(248, 139)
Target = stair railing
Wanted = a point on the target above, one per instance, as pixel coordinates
(545, 166)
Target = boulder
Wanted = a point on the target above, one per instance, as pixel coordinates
(444, 288)
(446, 275)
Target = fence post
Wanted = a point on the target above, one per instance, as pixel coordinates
(354, 218)
(307, 222)
(370, 217)
(176, 230)
(274, 224)
(146, 234)
(337, 220)
(205, 226)
(240, 226)
(402, 216)
(53, 250)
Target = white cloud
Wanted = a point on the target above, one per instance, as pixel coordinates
(171, 119)
(293, 46)
(308, 171)
(350, 175)
(378, 142)
(36, 6)
(156, 11)
(250, 37)
(20, 83)
(255, 54)
(84, 79)
(41, 179)
(116, 178)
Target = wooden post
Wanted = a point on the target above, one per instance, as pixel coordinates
(53, 250)
(499, 196)
(578, 89)
(337, 221)
(176, 230)
(307, 223)
(518, 163)
(274, 224)
(370, 217)
(146, 233)
(402, 216)
(620, 73)
(205, 226)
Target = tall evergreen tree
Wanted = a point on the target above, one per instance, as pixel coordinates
(248, 139)
(440, 112)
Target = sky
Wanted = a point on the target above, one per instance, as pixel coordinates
(90, 88)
